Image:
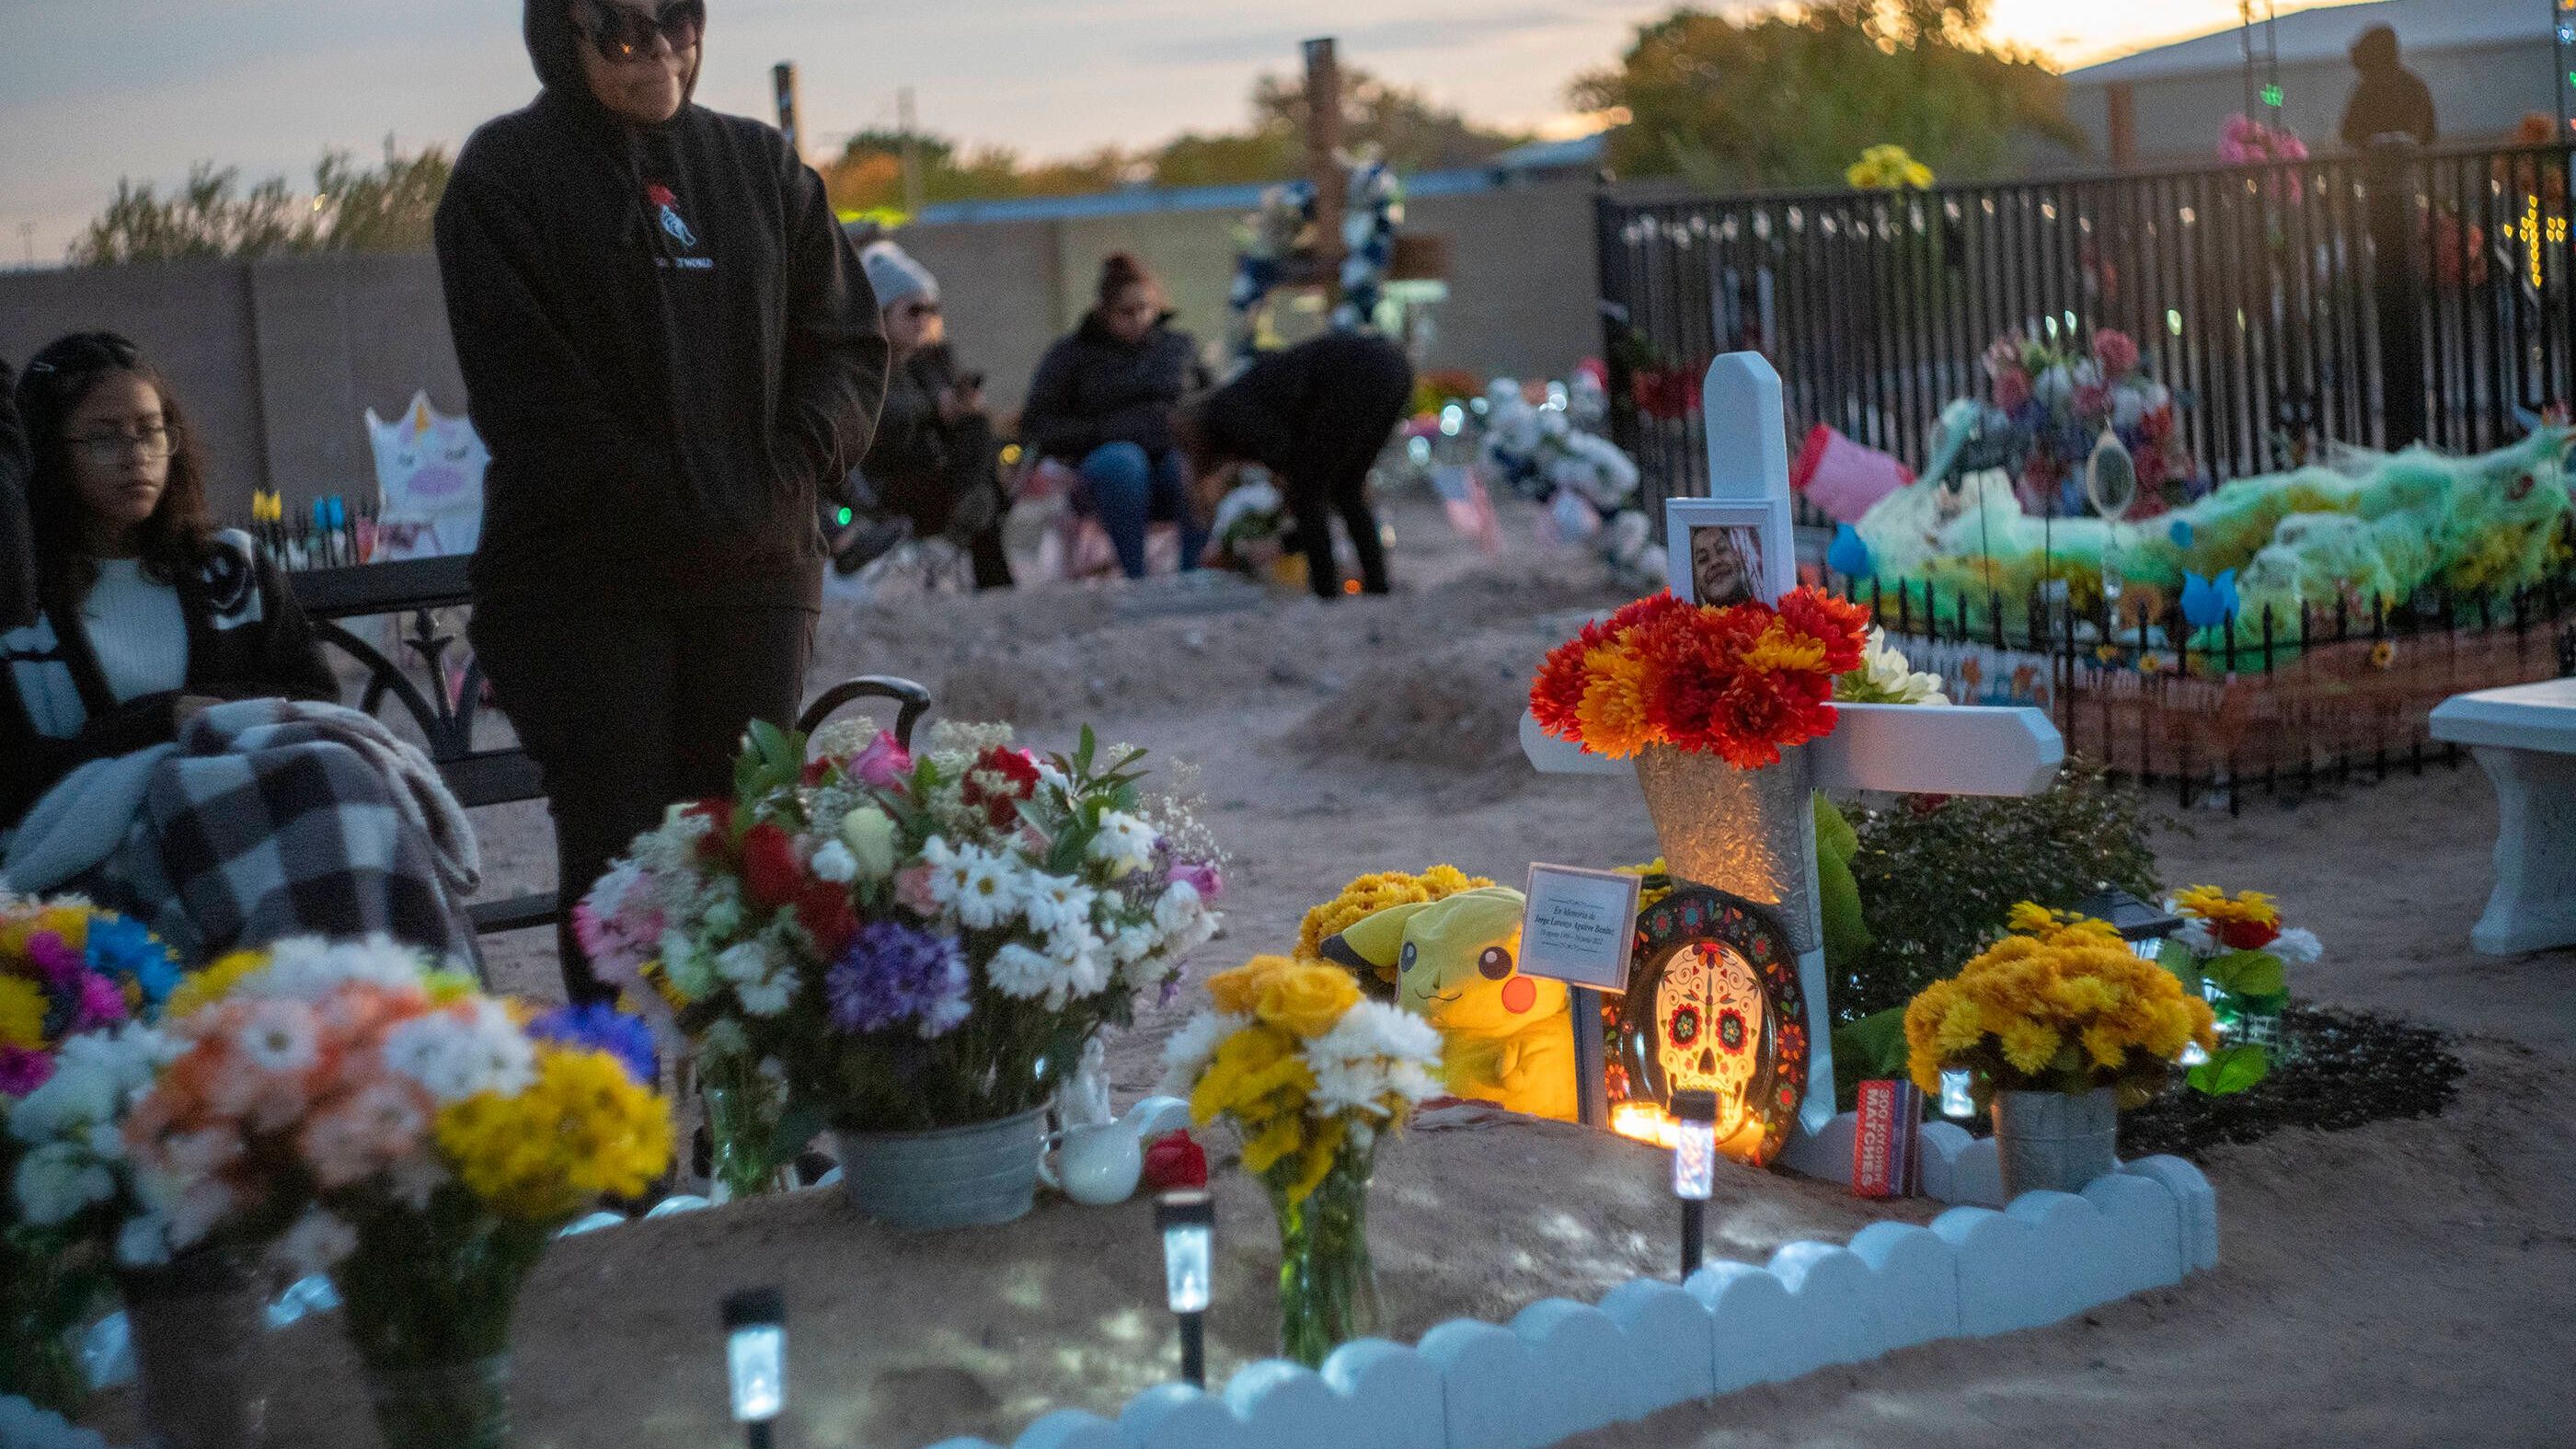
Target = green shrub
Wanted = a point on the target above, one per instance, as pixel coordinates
(1937, 879)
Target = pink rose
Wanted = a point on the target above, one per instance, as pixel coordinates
(912, 890)
(884, 764)
(1202, 877)
(2116, 351)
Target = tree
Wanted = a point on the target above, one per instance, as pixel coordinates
(353, 208)
(868, 174)
(1790, 98)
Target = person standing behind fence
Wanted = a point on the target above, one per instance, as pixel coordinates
(1316, 415)
(2389, 99)
(670, 348)
(1101, 403)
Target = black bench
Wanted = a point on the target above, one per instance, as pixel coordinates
(414, 590)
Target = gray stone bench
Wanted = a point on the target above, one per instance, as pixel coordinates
(2524, 737)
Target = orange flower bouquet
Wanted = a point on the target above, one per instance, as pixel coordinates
(1743, 682)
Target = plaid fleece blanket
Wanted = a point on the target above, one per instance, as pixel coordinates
(274, 818)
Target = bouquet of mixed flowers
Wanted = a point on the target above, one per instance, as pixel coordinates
(364, 1115)
(1744, 681)
(2060, 1004)
(76, 982)
(2056, 403)
(1313, 1076)
(908, 943)
(2235, 953)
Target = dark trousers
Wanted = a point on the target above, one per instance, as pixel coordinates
(628, 713)
(1348, 420)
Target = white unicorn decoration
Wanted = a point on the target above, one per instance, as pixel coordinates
(429, 482)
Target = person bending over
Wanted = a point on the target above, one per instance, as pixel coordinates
(1315, 415)
(934, 460)
(670, 348)
(146, 614)
(1101, 403)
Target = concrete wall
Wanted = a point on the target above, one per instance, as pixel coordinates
(278, 361)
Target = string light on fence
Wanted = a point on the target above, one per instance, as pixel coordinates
(755, 1323)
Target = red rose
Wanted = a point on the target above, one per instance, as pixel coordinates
(818, 770)
(2247, 935)
(770, 872)
(1173, 1160)
(824, 910)
(998, 780)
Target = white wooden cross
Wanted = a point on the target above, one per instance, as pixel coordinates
(1898, 748)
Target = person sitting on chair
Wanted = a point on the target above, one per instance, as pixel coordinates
(1101, 403)
(1316, 415)
(933, 461)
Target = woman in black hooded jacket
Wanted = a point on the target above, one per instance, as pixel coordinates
(669, 347)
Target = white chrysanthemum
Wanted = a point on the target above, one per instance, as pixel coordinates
(57, 1180)
(1083, 968)
(1376, 1060)
(1021, 973)
(1133, 943)
(317, 1243)
(1124, 844)
(2297, 946)
(833, 862)
(989, 895)
(93, 1076)
(303, 968)
(278, 1037)
(1187, 1052)
(1056, 902)
(1178, 909)
(458, 1054)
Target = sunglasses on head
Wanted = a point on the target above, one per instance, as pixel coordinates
(625, 34)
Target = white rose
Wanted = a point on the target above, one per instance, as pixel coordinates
(869, 833)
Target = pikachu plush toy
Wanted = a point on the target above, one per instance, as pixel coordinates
(1506, 1037)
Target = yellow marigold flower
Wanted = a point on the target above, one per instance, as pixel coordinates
(22, 1014)
(1612, 713)
(583, 1130)
(1307, 1000)
(1960, 1027)
(2106, 1044)
(1445, 880)
(2029, 1046)
(201, 989)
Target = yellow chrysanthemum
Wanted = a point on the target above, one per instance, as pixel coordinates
(583, 1130)
(200, 989)
(1316, 1159)
(2029, 1046)
(1780, 648)
(22, 1014)
(1612, 712)
(2014, 1009)
(1279, 1139)
(1256, 1073)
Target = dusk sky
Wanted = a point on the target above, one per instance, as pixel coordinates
(91, 90)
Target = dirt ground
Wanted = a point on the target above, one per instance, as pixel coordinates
(2404, 1283)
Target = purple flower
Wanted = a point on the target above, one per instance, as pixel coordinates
(894, 973)
(55, 960)
(1203, 877)
(603, 1028)
(101, 1002)
(22, 1071)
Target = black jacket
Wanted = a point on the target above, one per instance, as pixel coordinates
(921, 464)
(668, 345)
(247, 639)
(17, 534)
(2389, 100)
(1315, 412)
(1092, 389)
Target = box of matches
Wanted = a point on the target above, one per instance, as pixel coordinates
(1886, 1161)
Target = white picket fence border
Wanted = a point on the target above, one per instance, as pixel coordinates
(1564, 1368)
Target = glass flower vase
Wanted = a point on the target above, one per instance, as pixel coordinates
(742, 1132)
(1327, 1281)
(426, 1300)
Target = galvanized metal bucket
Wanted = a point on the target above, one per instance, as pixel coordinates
(2055, 1141)
(957, 1177)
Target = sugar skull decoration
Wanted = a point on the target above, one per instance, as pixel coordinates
(1505, 1037)
(1713, 1005)
(429, 482)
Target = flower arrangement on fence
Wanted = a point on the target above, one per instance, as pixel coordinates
(1314, 1077)
(916, 943)
(2244, 141)
(2060, 1004)
(76, 982)
(1887, 167)
(1743, 682)
(359, 1112)
(2055, 403)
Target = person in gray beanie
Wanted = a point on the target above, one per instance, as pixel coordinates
(934, 460)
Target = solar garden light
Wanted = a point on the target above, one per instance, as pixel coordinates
(1187, 1219)
(2141, 925)
(755, 1322)
(1957, 1101)
(1694, 1168)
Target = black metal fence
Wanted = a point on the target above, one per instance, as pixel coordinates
(2276, 704)
(2374, 300)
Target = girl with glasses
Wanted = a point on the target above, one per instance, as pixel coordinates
(146, 613)
(670, 348)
